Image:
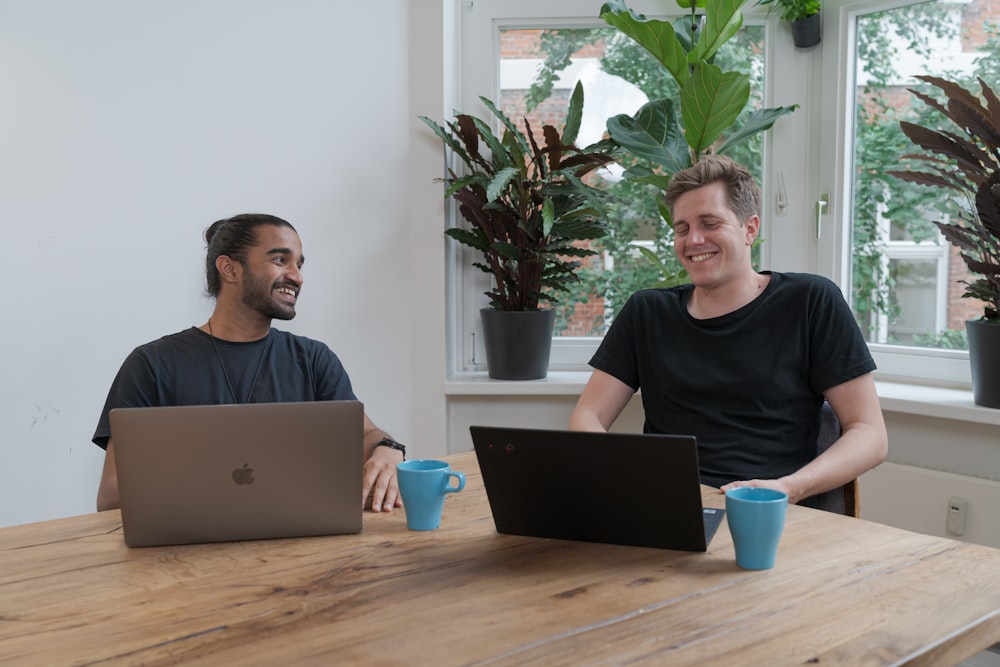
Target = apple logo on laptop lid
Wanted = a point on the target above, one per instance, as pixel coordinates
(243, 475)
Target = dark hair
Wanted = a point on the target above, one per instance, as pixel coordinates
(742, 190)
(232, 237)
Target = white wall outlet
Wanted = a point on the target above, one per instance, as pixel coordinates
(955, 523)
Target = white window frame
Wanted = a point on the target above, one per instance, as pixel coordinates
(802, 234)
(837, 69)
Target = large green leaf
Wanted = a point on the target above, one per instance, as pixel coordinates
(757, 122)
(655, 36)
(646, 175)
(500, 182)
(723, 19)
(711, 101)
(574, 116)
(653, 134)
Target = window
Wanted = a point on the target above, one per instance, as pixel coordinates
(902, 276)
(536, 62)
(829, 207)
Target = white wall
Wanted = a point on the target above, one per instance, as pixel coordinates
(126, 128)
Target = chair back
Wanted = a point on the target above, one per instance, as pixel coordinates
(843, 500)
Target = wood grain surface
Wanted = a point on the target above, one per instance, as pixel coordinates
(843, 592)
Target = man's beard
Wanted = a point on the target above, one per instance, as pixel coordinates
(260, 297)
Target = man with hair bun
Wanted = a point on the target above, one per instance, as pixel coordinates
(253, 269)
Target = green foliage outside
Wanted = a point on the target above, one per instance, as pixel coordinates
(880, 143)
(634, 213)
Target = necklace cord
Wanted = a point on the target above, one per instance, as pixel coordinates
(222, 364)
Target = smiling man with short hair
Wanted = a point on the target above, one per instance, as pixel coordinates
(741, 359)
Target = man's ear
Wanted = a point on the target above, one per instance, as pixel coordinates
(753, 228)
(227, 267)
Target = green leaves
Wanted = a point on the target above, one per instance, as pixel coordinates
(657, 37)
(653, 134)
(673, 134)
(711, 101)
(525, 202)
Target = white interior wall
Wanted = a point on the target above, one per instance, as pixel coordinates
(126, 128)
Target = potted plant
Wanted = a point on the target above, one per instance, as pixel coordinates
(965, 160)
(671, 134)
(528, 208)
(804, 18)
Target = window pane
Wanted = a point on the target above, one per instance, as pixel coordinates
(538, 70)
(905, 287)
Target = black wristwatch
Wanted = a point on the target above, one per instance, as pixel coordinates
(391, 444)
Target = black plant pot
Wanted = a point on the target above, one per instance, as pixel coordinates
(517, 343)
(807, 32)
(984, 361)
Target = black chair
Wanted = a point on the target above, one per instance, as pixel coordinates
(846, 499)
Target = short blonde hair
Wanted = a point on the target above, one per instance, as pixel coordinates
(742, 191)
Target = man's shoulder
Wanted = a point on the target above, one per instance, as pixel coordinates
(803, 281)
(289, 340)
(673, 294)
(187, 337)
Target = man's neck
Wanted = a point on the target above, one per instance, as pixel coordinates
(708, 302)
(237, 328)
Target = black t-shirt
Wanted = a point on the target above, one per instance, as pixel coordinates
(748, 384)
(184, 369)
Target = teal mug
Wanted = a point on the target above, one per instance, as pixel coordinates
(756, 519)
(423, 484)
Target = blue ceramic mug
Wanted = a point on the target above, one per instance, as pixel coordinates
(756, 519)
(423, 483)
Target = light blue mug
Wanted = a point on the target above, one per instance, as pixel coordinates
(423, 483)
(756, 519)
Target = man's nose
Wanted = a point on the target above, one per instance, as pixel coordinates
(695, 235)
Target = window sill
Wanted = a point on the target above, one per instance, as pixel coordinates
(929, 401)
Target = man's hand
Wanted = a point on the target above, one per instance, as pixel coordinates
(379, 486)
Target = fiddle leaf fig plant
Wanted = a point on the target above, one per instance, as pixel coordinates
(965, 160)
(671, 135)
(527, 203)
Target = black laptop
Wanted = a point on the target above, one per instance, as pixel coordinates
(616, 488)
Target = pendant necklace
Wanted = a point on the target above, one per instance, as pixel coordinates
(225, 374)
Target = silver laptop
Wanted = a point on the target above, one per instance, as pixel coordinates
(217, 473)
(616, 488)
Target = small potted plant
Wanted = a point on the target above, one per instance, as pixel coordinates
(965, 160)
(528, 208)
(803, 17)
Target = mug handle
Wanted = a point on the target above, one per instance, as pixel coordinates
(448, 488)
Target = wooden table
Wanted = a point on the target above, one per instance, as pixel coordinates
(844, 592)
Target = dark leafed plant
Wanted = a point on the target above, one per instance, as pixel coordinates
(966, 162)
(526, 202)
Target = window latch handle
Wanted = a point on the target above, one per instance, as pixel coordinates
(821, 205)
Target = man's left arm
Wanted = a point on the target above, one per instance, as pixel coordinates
(863, 444)
(379, 486)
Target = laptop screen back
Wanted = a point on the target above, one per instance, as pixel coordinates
(213, 473)
(631, 489)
